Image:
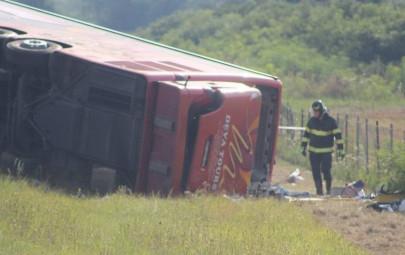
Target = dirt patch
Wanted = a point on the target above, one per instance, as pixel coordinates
(379, 233)
(283, 169)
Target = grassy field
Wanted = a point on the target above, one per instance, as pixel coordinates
(36, 221)
(387, 112)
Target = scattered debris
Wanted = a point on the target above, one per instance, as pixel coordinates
(402, 207)
(305, 199)
(279, 191)
(389, 201)
(385, 196)
(354, 190)
(351, 190)
(336, 191)
(295, 176)
(265, 189)
(396, 206)
(382, 202)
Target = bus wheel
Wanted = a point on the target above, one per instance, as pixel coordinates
(5, 35)
(30, 54)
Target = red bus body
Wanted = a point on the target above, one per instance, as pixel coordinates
(203, 122)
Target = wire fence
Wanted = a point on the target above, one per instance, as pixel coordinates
(363, 138)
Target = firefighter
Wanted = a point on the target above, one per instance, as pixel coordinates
(321, 132)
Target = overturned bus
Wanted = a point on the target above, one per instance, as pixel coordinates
(85, 106)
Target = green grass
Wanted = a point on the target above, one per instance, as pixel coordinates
(390, 171)
(335, 105)
(36, 221)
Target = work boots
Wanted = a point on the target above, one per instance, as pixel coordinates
(328, 186)
(318, 186)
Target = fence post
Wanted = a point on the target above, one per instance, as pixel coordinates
(347, 133)
(358, 142)
(309, 117)
(302, 122)
(292, 123)
(366, 146)
(391, 137)
(377, 133)
(338, 119)
(287, 121)
(404, 136)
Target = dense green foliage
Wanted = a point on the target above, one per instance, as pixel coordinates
(393, 167)
(390, 171)
(123, 14)
(341, 49)
(34, 221)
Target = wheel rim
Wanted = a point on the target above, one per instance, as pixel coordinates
(34, 44)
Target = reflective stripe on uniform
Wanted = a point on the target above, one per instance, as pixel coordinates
(320, 150)
(318, 132)
(336, 131)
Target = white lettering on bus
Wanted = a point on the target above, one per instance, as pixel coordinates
(220, 162)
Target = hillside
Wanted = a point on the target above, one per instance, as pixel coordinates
(338, 49)
(124, 15)
(342, 50)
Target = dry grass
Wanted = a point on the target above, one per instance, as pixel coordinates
(36, 221)
(386, 115)
(380, 233)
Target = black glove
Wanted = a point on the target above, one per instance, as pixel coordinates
(304, 151)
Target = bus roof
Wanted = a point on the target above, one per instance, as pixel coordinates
(100, 44)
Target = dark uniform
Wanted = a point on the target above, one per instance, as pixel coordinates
(321, 133)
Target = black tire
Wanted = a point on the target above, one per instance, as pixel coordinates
(103, 180)
(5, 36)
(30, 59)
